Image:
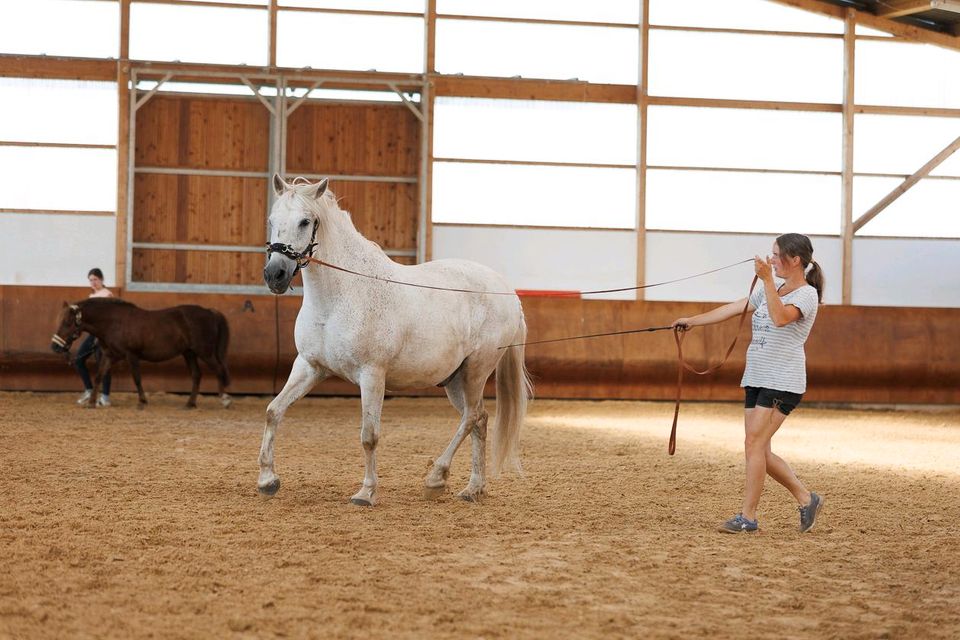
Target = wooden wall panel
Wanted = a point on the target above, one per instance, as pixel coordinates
(203, 133)
(855, 354)
(364, 139)
(385, 212)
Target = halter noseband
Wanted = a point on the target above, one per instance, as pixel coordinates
(77, 318)
(302, 258)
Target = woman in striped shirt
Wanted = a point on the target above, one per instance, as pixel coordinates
(775, 377)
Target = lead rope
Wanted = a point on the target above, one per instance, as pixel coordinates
(682, 364)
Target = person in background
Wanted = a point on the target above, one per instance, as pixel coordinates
(89, 347)
(775, 377)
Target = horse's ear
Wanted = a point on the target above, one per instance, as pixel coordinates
(65, 304)
(321, 188)
(279, 185)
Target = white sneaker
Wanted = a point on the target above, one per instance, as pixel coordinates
(85, 398)
(103, 401)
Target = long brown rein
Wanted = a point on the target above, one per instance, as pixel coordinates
(570, 294)
(678, 335)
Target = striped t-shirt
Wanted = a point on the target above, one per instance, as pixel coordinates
(775, 357)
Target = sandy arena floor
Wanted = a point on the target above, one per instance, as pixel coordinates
(127, 524)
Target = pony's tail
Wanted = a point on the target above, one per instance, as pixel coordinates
(514, 389)
(223, 341)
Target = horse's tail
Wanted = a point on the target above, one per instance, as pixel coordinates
(514, 389)
(223, 341)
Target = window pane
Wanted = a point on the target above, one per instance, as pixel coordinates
(928, 209)
(743, 138)
(746, 66)
(535, 130)
(906, 74)
(577, 10)
(594, 54)
(58, 111)
(68, 179)
(29, 28)
(534, 195)
(356, 42)
(752, 202)
(81, 242)
(903, 144)
(202, 34)
(401, 6)
(740, 14)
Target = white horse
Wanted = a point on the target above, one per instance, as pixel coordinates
(382, 335)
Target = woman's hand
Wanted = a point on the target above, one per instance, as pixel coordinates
(683, 324)
(763, 268)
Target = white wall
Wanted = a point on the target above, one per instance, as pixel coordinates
(555, 259)
(672, 254)
(56, 249)
(914, 272)
(886, 272)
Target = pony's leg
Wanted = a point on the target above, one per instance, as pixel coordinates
(103, 367)
(191, 359)
(221, 370)
(134, 363)
(371, 398)
(302, 378)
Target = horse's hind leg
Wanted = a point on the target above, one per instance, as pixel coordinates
(466, 394)
(371, 399)
(222, 379)
(302, 378)
(191, 359)
(134, 363)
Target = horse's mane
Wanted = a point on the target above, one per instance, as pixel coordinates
(327, 208)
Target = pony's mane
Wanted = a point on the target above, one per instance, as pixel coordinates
(116, 301)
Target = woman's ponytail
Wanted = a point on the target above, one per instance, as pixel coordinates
(814, 277)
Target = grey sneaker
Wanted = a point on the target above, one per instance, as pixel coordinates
(85, 398)
(808, 513)
(103, 401)
(738, 524)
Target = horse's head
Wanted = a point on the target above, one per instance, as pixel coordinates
(294, 220)
(68, 328)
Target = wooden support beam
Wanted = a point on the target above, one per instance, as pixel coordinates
(528, 89)
(846, 187)
(123, 145)
(900, 8)
(642, 103)
(21, 66)
(866, 19)
(887, 200)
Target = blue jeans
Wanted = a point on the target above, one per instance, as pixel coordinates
(89, 347)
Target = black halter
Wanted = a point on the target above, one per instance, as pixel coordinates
(302, 258)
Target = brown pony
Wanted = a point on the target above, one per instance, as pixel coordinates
(127, 332)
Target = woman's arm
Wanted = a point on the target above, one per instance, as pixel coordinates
(781, 314)
(713, 316)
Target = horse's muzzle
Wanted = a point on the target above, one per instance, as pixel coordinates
(278, 273)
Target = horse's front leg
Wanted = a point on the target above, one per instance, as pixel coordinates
(372, 386)
(303, 377)
(103, 368)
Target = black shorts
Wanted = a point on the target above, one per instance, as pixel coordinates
(784, 401)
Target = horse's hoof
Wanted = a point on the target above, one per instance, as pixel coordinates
(432, 493)
(270, 489)
(361, 502)
(141, 406)
(226, 401)
(189, 406)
